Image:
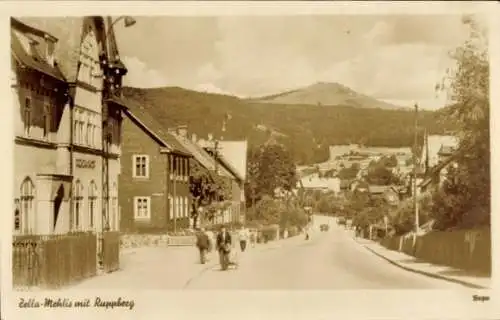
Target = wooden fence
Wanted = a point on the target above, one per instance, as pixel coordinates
(111, 251)
(462, 249)
(53, 261)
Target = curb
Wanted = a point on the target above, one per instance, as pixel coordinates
(425, 273)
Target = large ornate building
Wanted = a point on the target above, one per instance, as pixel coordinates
(67, 124)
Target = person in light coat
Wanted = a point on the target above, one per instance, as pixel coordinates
(243, 236)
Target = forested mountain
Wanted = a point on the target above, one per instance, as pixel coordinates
(307, 129)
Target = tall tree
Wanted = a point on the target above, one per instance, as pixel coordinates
(468, 88)
(270, 167)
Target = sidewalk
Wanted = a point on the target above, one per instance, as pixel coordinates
(165, 267)
(413, 264)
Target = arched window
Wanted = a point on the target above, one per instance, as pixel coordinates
(78, 203)
(27, 206)
(92, 203)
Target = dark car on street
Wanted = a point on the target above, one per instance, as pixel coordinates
(341, 221)
(324, 227)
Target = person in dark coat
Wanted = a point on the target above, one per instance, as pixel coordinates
(203, 244)
(223, 243)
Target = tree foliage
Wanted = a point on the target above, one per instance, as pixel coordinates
(380, 174)
(206, 188)
(270, 167)
(466, 203)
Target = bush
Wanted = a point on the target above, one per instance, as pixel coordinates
(293, 231)
(269, 232)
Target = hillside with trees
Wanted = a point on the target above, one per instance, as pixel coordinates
(306, 130)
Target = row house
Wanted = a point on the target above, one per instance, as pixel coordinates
(232, 155)
(221, 167)
(67, 124)
(154, 184)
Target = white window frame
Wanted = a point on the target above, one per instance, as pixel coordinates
(148, 211)
(134, 166)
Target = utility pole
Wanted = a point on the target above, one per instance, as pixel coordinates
(415, 201)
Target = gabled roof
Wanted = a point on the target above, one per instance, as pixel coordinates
(140, 116)
(68, 30)
(235, 152)
(21, 37)
(202, 156)
(446, 150)
(436, 169)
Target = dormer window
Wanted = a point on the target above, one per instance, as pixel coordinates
(33, 48)
(49, 51)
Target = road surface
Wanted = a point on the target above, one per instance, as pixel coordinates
(330, 260)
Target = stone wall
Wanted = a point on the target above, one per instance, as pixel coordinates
(155, 240)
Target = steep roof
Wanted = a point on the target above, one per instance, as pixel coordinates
(202, 156)
(68, 30)
(141, 117)
(235, 152)
(232, 155)
(22, 36)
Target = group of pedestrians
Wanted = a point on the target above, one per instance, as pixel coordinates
(223, 242)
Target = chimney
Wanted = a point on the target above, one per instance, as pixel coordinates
(182, 131)
(194, 138)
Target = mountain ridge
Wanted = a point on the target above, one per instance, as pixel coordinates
(307, 130)
(328, 94)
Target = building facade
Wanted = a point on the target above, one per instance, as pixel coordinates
(154, 184)
(67, 125)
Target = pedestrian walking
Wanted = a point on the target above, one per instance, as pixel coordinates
(223, 246)
(203, 244)
(243, 236)
(253, 238)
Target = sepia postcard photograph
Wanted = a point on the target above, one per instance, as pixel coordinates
(210, 151)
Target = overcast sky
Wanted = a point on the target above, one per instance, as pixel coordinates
(395, 58)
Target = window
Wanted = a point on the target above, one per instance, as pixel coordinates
(27, 116)
(75, 132)
(92, 203)
(171, 207)
(46, 121)
(17, 216)
(142, 207)
(78, 203)
(90, 141)
(81, 132)
(178, 166)
(26, 206)
(141, 166)
(186, 207)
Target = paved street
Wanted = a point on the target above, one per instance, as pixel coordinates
(330, 260)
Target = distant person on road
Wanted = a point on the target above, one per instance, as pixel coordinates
(253, 238)
(223, 244)
(203, 244)
(243, 235)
